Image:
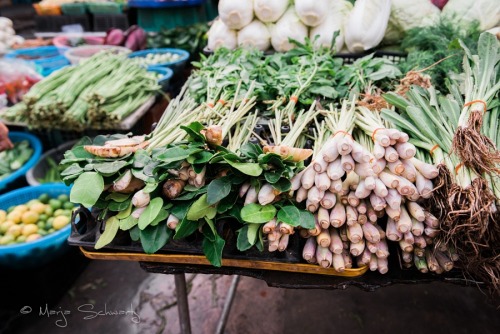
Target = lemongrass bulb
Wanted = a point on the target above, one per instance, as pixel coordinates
(328, 201)
(322, 181)
(296, 181)
(324, 256)
(309, 250)
(378, 150)
(335, 170)
(269, 11)
(312, 12)
(308, 178)
(373, 265)
(338, 215)
(380, 188)
(323, 239)
(220, 35)
(348, 163)
(357, 248)
(370, 232)
(330, 151)
(319, 164)
(301, 195)
(382, 265)
(404, 223)
(251, 196)
(370, 183)
(427, 170)
(366, 24)
(420, 241)
(236, 14)
(362, 191)
(338, 263)
(351, 215)
(323, 218)
(382, 249)
(409, 173)
(391, 231)
(255, 36)
(336, 246)
(344, 145)
(336, 186)
(354, 232)
(288, 26)
(424, 186)
(393, 213)
(266, 194)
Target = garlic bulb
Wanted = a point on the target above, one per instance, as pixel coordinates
(289, 26)
(270, 11)
(255, 35)
(236, 13)
(322, 35)
(366, 24)
(312, 12)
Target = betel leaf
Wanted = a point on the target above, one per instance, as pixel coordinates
(154, 237)
(258, 214)
(307, 220)
(119, 206)
(212, 246)
(242, 242)
(283, 185)
(198, 168)
(273, 176)
(200, 208)
(87, 189)
(72, 170)
(109, 168)
(185, 228)
(177, 153)
(193, 130)
(290, 215)
(125, 213)
(227, 202)
(150, 187)
(141, 159)
(200, 158)
(151, 212)
(117, 197)
(251, 151)
(135, 233)
(180, 209)
(161, 217)
(253, 229)
(218, 189)
(188, 195)
(110, 230)
(248, 168)
(128, 223)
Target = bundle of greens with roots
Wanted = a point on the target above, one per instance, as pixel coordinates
(466, 196)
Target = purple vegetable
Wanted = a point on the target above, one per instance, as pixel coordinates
(114, 37)
(136, 38)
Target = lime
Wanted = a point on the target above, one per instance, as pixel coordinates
(29, 230)
(21, 238)
(30, 217)
(11, 208)
(49, 211)
(41, 225)
(33, 237)
(63, 198)
(15, 216)
(44, 198)
(59, 212)
(55, 204)
(48, 224)
(6, 239)
(43, 217)
(14, 230)
(3, 216)
(68, 206)
(42, 232)
(38, 207)
(60, 222)
(51, 230)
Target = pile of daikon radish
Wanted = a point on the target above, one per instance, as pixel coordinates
(363, 190)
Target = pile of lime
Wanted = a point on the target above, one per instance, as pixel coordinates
(34, 219)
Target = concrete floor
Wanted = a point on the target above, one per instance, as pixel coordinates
(148, 305)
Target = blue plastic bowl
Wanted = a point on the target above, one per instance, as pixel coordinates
(39, 252)
(35, 144)
(176, 66)
(166, 74)
(49, 58)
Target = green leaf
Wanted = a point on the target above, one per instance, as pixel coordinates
(161, 217)
(109, 168)
(193, 130)
(119, 206)
(258, 214)
(135, 233)
(307, 220)
(151, 212)
(213, 250)
(283, 185)
(273, 176)
(177, 154)
(125, 213)
(72, 170)
(185, 228)
(128, 223)
(87, 189)
(118, 197)
(218, 189)
(200, 158)
(227, 202)
(188, 195)
(150, 187)
(154, 237)
(242, 243)
(141, 159)
(290, 215)
(251, 151)
(248, 168)
(200, 208)
(253, 229)
(110, 230)
(180, 209)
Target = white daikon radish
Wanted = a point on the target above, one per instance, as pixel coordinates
(366, 24)
(255, 36)
(288, 26)
(312, 12)
(270, 11)
(220, 35)
(236, 14)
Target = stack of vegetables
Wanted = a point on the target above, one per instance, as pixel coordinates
(8, 36)
(260, 145)
(362, 26)
(99, 93)
(14, 158)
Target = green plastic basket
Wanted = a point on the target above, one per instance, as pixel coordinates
(105, 7)
(77, 8)
(155, 19)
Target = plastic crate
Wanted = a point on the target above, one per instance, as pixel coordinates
(55, 23)
(164, 3)
(105, 8)
(36, 145)
(155, 19)
(166, 74)
(176, 66)
(103, 22)
(39, 252)
(76, 8)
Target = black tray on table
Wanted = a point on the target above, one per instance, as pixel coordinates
(279, 269)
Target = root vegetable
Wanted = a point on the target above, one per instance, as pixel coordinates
(323, 239)
(308, 178)
(251, 196)
(172, 222)
(336, 246)
(283, 242)
(338, 262)
(355, 232)
(267, 194)
(335, 170)
(338, 215)
(324, 256)
(301, 195)
(370, 232)
(322, 181)
(269, 227)
(173, 188)
(382, 265)
(391, 232)
(328, 201)
(323, 218)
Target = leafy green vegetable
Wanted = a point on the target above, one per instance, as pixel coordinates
(87, 189)
(258, 214)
